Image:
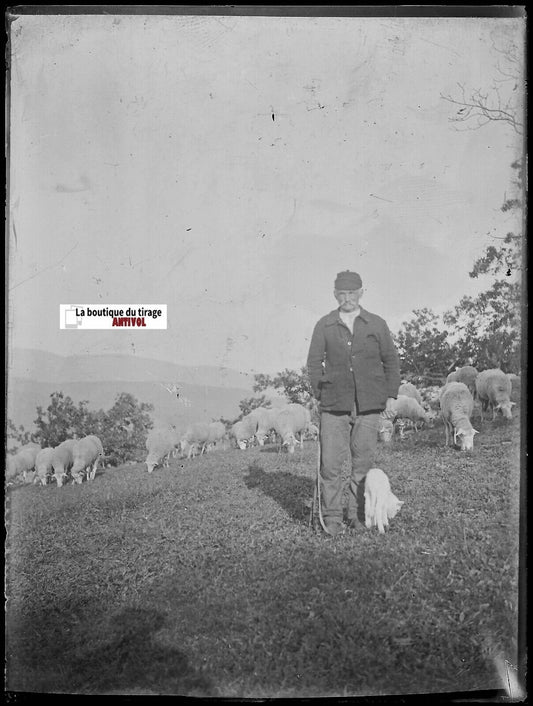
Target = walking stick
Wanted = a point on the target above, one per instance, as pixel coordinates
(316, 505)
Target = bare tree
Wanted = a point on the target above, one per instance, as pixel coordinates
(503, 101)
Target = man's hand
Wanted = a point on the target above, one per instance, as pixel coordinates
(389, 411)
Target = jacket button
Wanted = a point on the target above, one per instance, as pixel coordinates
(351, 370)
(349, 343)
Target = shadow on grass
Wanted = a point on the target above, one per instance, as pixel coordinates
(124, 655)
(290, 491)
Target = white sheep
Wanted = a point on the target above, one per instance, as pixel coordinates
(244, 430)
(216, 433)
(404, 407)
(430, 397)
(493, 389)
(202, 434)
(22, 462)
(265, 422)
(43, 465)
(515, 387)
(160, 444)
(289, 421)
(62, 460)
(467, 375)
(381, 505)
(386, 430)
(457, 404)
(86, 454)
(409, 390)
(193, 450)
(312, 432)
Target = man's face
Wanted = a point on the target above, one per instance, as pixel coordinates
(348, 298)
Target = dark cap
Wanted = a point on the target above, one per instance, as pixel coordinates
(348, 281)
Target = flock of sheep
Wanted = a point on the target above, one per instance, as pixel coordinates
(74, 458)
(454, 402)
(291, 424)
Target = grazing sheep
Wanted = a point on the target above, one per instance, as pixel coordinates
(516, 384)
(312, 432)
(160, 444)
(265, 422)
(430, 397)
(493, 389)
(291, 420)
(196, 433)
(405, 407)
(244, 430)
(43, 465)
(193, 450)
(432, 415)
(87, 452)
(467, 374)
(62, 460)
(386, 430)
(457, 404)
(409, 390)
(452, 377)
(217, 432)
(32, 446)
(22, 462)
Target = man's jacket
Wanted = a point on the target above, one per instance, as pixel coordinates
(343, 368)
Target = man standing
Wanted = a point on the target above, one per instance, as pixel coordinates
(355, 374)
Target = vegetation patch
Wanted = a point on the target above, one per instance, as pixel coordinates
(206, 578)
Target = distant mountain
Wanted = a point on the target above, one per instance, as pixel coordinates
(30, 364)
(205, 392)
(200, 403)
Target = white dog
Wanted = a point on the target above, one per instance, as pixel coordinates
(381, 505)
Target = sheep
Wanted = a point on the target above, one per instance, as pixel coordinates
(431, 415)
(515, 387)
(265, 422)
(62, 460)
(493, 389)
(457, 404)
(386, 430)
(291, 420)
(452, 377)
(87, 452)
(23, 461)
(217, 431)
(467, 374)
(381, 505)
(244, 430)
(43, 465)
(312, 432)
(430, 397)
(202, 434)
(405, 407)
(193, 450)
(160, 444)
(409, 390)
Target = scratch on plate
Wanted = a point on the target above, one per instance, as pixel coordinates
(39, 272)
(381, 198)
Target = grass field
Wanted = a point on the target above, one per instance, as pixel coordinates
(205, 578)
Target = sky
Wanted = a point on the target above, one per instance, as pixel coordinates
(230, 166)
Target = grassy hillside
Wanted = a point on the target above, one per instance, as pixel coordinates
(206, 579)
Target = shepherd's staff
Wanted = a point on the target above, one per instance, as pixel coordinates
(316, 505)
